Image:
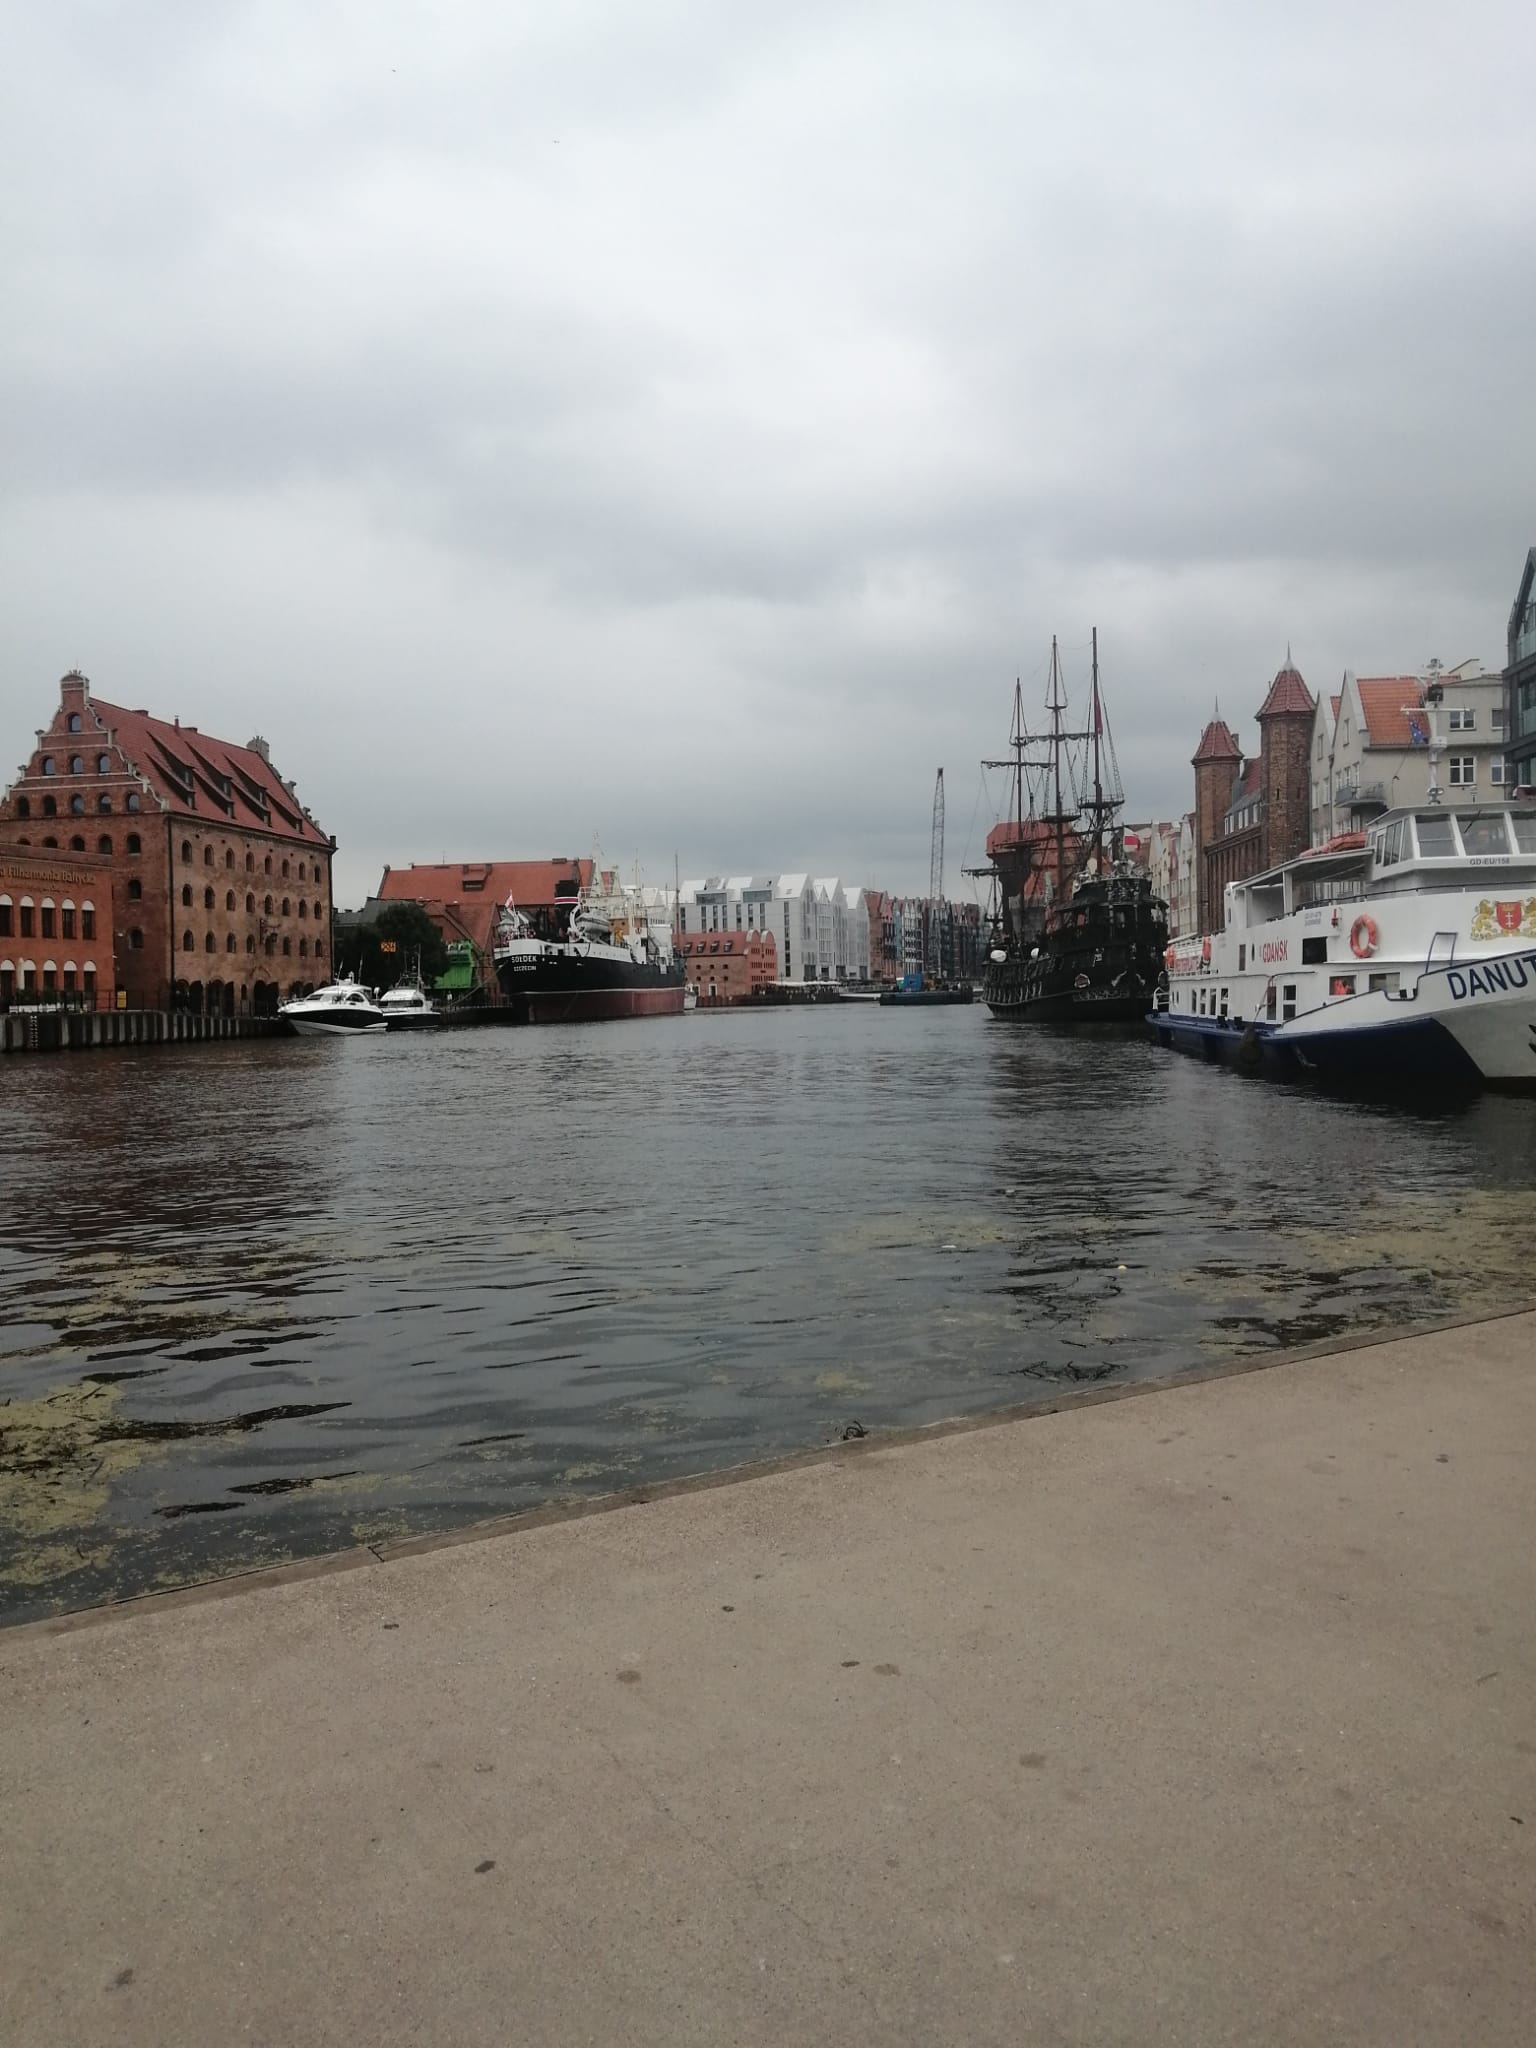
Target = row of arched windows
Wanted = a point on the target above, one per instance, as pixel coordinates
(250, 862)
(50, 808)
(210, 902)
(211, 944)
(77, 764)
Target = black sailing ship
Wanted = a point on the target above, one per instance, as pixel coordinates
(1078, 935)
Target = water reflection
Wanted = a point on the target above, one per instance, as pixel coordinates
(273, 1298)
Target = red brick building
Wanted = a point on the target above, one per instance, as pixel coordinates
(1252, 814)
(462, 898)
(55, 930)
(221, 880)
(730, 967)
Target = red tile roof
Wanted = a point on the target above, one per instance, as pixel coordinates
(1218, 743)
(200, 777)
(1249, 781)
(1335, 702)
(1382, 699)
(467, 894)
(1287, 693)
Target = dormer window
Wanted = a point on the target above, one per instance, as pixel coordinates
(74, 721)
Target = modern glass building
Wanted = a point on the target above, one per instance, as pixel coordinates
(1520, 712)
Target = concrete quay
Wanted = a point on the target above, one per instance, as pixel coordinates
(62, 1030)
(1203, 1716)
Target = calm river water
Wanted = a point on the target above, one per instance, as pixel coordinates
(268, 1299)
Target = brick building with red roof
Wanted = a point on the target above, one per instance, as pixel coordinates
(730, 967)
(1251, 814)
(463, 897)
(221, 879)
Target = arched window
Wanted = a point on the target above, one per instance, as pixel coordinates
(250, 942)
(87, 920)
(207, 899)
(76, 765)
(208, 943)
(186, 895)
(103, 764)
(186, 942)
(186, 849)
(285, 871)
(50, 840)
(229, 943)
(77, 844)
(267, 864)
(77, 804)
(23, 808)
(250, 863)
(74, 721)
(319, 949)
(229, 856)
(229, 899)
(303, 912)
(250, 902)
(207, 856)
(303, 949)
(103, 802)
(135, 844)
(271, 946)
(136, 940)
(135, 889)
(301, 871)
(131, 801)
(266, 905)
(104, 843)
(50, 807)
(285, 907)
(48, 764)
(287, 946)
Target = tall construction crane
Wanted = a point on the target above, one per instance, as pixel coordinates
(933, 962)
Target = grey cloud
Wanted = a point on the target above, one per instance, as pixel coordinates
(679, 423)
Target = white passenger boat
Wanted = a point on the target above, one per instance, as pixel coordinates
(408, 1007)
(1404, 955)
(344, 1009)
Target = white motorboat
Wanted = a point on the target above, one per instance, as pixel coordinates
(408, 1008)
(1404, 954)
(343, 1009)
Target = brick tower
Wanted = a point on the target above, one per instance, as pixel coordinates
(1216, 762)
(1285, 750)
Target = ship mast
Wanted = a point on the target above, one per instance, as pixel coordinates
(1098, 783)
(1056, 746)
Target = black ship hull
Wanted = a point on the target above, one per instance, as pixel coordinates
(565, 985)
(1099, 959)
(1008, 992)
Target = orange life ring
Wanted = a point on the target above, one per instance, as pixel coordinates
(1363, 937)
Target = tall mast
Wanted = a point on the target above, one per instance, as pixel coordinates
(1098, 785)
(1056, 745)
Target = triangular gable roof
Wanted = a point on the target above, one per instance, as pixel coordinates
(212, 780)
(1382, 710)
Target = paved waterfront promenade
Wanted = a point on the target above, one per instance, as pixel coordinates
(1203, 1716)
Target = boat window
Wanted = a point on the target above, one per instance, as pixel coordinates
(1269, 1002)
(1484, 833)
(1391, 983)
(1341, 984)
(1524, 823)
(1314, 952)
(1437, 835)
(1242, 958)
(1288, 1002)
(1392, 843)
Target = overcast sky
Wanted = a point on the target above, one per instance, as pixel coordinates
(676, 423)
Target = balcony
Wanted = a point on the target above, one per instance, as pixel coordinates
(1363, 799)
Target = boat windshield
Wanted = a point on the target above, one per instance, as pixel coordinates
(1524, 824)
(1484, 833)
(1437, 835)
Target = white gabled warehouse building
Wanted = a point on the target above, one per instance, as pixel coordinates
(820, 928)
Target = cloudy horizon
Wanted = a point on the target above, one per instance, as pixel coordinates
(673, 428)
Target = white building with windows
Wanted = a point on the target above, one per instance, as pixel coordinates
(820, 928)
(1370, 746)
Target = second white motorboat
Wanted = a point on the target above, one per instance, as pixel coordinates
(408, 1008)
(343, 1009)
